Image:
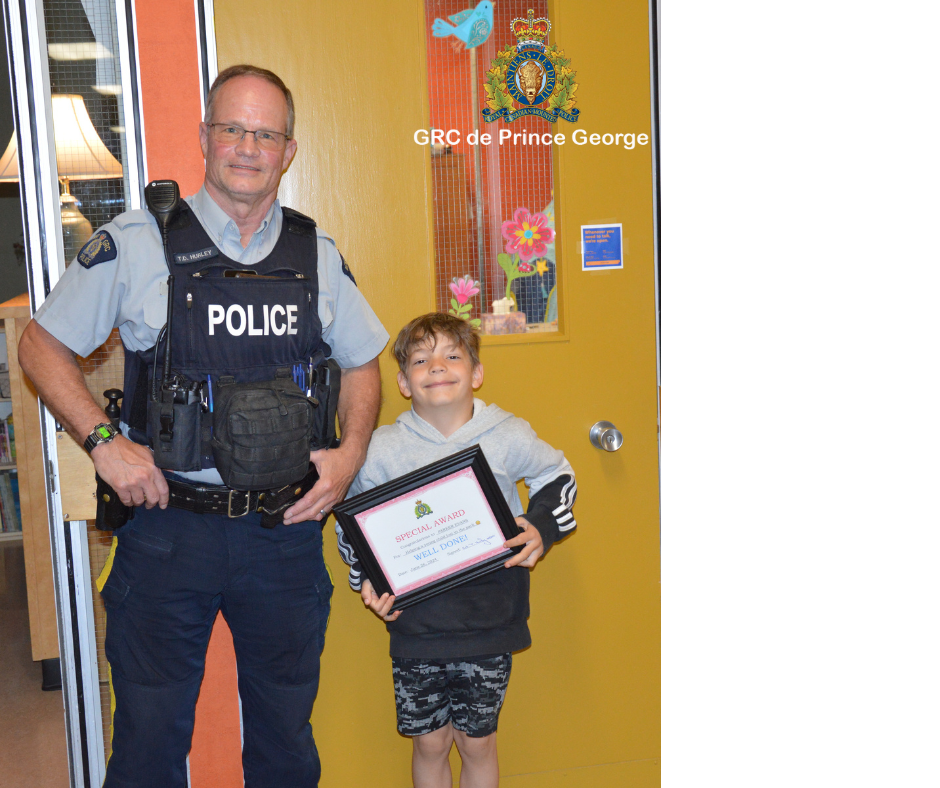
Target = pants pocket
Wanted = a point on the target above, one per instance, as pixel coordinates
(140, 540)
(115, 591)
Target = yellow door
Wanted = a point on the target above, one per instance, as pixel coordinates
(583, 703)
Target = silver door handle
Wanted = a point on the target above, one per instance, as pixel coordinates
(606, 436)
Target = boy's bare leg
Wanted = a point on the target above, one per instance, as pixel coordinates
(479, 764)
(430, 767)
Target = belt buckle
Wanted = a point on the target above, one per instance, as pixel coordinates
(231, 495)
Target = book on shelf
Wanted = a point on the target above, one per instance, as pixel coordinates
(7, 444)
(9, 505)
(15, 484)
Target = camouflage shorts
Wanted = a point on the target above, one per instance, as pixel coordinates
(469, 694)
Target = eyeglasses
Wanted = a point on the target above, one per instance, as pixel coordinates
(230, 134)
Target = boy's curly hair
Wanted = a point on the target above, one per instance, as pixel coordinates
(428, 328)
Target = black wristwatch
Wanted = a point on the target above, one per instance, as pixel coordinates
(102, 433)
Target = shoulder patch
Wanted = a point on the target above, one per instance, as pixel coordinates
(347, 271)
(99, 249)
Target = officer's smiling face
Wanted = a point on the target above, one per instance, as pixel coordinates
(242, 172)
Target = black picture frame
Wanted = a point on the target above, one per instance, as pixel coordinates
(472, 458)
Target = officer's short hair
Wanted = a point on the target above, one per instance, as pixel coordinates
(428, 329)
(245, 70)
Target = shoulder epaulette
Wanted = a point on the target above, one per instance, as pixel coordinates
(129, 218)
(298, 223)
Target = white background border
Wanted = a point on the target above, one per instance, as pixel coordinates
(801, 548)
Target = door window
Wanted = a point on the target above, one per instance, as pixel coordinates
(493, 197)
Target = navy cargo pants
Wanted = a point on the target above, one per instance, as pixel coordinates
(173, 571)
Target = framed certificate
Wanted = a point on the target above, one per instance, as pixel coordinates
(432, 529)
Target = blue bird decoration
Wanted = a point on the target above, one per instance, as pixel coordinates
(472, 25)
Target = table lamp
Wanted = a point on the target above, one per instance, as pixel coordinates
(80, 155)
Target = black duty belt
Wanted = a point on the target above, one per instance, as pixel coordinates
(217, 499)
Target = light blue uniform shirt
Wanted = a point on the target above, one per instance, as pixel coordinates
(130, 291)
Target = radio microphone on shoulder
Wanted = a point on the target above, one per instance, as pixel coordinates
(163, 201)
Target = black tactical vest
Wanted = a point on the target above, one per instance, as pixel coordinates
(248, 322)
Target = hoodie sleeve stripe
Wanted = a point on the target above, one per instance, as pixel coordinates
(349, 556)
(345, 549)
(568, 493)
(552, 523)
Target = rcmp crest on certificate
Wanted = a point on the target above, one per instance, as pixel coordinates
(528, 75)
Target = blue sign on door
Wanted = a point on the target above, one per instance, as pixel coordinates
(601, 246)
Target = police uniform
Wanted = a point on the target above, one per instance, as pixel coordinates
(173, 570)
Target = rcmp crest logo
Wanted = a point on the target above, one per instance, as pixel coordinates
(422, 509)
(530, 74)
(100, 248)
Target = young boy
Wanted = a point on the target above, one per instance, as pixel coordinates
(452, 654)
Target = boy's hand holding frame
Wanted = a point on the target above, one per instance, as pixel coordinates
(532, 539)
(380, 605)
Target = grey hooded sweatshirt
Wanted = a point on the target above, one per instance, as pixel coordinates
(488, 615)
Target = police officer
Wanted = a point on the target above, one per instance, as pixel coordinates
(174, 569)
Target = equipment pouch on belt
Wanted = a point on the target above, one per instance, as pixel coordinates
(175, 424)
(261, 433)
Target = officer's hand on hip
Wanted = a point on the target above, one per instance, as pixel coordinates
(128, 467)
(337, 469)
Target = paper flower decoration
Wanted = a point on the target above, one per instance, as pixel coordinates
(463, 289)
(527, 234)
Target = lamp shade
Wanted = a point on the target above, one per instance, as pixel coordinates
(9, 167)
(80, 153)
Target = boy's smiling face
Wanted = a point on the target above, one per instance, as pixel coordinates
(440, 380)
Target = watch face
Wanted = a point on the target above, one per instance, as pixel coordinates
(102, 433)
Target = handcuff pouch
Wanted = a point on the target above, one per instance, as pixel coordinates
(111, 513)
(325, 391)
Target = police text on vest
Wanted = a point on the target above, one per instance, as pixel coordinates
(277, 321)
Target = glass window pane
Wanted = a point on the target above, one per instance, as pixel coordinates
(88, 122)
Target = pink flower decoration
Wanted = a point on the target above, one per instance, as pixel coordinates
(527, 234)
(464, 288)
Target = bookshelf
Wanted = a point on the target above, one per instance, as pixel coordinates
(37, 552)
(10, 520)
